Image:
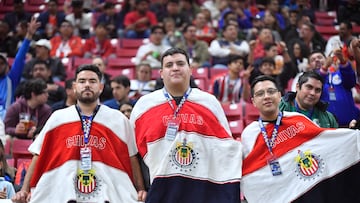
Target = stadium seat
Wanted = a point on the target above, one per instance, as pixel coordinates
(325, 14)
(67, 63)
(327, 31)
(251, 113)
(201, 83)
(325, 21)
(126, 52)
(77, 61)
(34, 8)
(120, 63)
(233, 112)
(131, 43)
(236, 128)
(217, 71)
(35, 2)
(128, 72)
(201, 73)
(155, 73)
(20, 150)
(201, 76)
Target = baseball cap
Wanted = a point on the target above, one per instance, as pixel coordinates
(44, 43)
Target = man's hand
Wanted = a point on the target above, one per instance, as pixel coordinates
(33, 25)
(3, 193)
(21, 197)
(142, 195)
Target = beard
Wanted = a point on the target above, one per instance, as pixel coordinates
(87, 99)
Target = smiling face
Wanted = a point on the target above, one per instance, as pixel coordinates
(309, 93)
(266, 98)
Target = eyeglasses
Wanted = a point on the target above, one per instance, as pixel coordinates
(261, 93)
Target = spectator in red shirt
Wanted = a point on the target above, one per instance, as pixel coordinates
(99, 45)
(138, 22)
(66, 44)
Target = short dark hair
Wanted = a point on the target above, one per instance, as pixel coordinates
(101, 24)
(316, 51)
(126, 102)
(69, 83)
(139, 1)
(122, 80)
(309, 74)
(41, 62)
(172, 51)
(77, 3)
(310, 25)
(156, 27)
(88, 67)
(267, 60)
(108, 5)
(36, 86)
(268, 46)
(186, 27)
(234, 57)
(262, 78)
(348, 24)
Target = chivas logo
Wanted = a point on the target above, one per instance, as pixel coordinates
(86, 184)
(308, 164)
(183, 156)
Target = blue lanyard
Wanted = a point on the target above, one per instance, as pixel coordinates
(183, 99)
(298, 110)
(270, 142)
(86, 122)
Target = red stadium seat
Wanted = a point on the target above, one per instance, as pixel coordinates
(120, 63)
(201, 73)
(201, 76)
(233, 112)
(236, 128)
(325, 14)
(128, 72)
(20, 150)
(155, 73)
(131, 43)
(80, 61)
(217, 71)
(325, 21)
(201, 83)
(126, 52)
(35, 2)
(251, 113)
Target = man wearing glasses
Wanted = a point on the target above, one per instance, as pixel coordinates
(288, 158)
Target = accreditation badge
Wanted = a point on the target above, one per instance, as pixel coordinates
(274, 165)
(85, 158)
(172, 129)
(332, 96)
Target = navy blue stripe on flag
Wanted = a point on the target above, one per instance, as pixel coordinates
(180, 189)
(343, 187)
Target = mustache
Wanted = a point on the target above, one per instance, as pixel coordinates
(87, 89)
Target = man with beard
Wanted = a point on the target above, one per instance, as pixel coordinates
(84, 141)
(10, 79)
(306, 100)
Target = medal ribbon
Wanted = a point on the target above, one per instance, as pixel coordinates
(183, 99)
(86, 122)
(270, 142)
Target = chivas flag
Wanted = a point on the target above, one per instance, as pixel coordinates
(317, 164)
